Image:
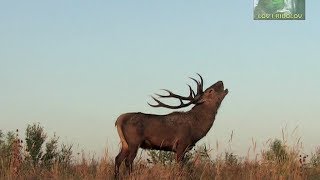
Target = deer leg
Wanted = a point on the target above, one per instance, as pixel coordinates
(118, 160)
(180, 156)
(130, 158)
(180, 152)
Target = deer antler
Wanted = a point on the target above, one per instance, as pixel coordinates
(192, 98)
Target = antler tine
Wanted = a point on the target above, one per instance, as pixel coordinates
(173, 95)
(192, 94)
(199, 90)
(193, 97)
(157, 105)
(201, 82)
(161, 104)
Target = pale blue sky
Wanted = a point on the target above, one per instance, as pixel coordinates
(75, 66)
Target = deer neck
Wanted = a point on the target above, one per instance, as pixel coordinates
(203, 120)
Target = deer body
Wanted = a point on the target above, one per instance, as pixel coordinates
(177, 131)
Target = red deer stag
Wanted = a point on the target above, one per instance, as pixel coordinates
(177, 131)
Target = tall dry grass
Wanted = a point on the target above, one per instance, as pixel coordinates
(277, 161)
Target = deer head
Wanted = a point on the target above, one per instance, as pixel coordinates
(211, 97)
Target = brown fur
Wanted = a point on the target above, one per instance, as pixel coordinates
(177, 131)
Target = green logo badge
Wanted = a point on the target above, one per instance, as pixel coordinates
(279, 10)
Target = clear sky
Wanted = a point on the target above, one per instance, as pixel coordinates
(75, 66)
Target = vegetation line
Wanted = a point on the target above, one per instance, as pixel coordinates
(40, 157)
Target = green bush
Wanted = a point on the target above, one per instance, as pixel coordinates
(315, 158)
(35, 137)
(277, 151)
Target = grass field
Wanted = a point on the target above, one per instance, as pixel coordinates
(40, 157)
